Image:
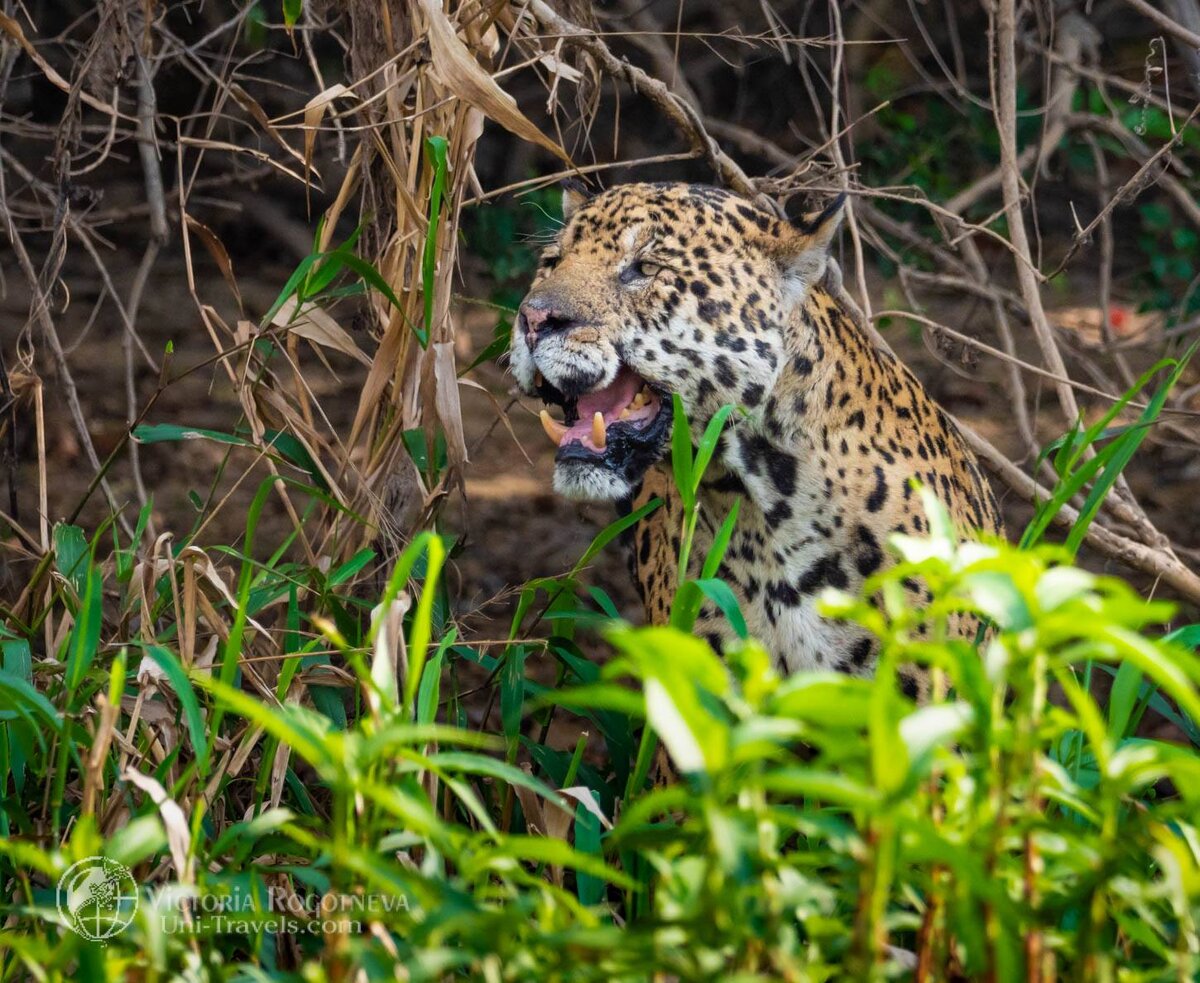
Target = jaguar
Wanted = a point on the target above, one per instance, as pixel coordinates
(656, 290)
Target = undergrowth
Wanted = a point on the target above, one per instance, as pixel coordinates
(338, 808)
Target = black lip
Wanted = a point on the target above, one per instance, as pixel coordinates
(629, 449)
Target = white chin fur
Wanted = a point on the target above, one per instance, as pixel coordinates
(587, 483)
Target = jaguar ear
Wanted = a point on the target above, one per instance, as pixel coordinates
(805, 254)
(574, 194)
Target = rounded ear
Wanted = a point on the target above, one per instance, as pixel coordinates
(804, 255)
(574, 194)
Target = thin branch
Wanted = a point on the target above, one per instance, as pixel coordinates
(1174, 28)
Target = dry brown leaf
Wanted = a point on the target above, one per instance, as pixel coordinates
(560, 68)
(558, 820)
(314, 112)
(13, 30)
(216, 249)
(457, 70)
(449, 409)
(316, 325)
(501, 414)
(583, 795)
(279, 769)
(531, 806)
(390, 654)
(179, 837)
(248, 103)
(94, 776)
(235, 148)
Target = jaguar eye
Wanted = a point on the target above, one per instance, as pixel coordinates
(549, 260)
(642, 269)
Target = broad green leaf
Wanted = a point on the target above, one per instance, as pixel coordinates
(71, 553)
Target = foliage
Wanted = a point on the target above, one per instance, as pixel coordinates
(819, 826)
(303, 768)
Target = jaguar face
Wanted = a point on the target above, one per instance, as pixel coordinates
(653, 290)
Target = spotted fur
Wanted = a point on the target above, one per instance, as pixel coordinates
(727, 304)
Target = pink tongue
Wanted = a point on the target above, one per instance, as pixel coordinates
(610, 401)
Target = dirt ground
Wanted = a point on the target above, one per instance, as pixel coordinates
(515, 528)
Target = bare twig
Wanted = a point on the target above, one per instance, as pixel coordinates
(1005, 94)
(1172, 27)
(1130, 187)
(678, 110)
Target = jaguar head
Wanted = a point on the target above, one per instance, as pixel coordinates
(652, 290)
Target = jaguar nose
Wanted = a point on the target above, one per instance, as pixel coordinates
(542, 317)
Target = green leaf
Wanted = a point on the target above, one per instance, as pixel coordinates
(71, 554)
(85, 635)
(140, 839)
(716, 552)
(1123, 698)
(681, 453)
(611, 532)
(469, 763)
(589, 889)
(723, 597)
(290, 288)
(690, 597)
(512, 693)
(1125, 447)
(157, 433)
(18, 695)
(436, 148)
(372, 276)
(296, 454)
(1188, 636)
(708, 446)
(304, 731)
(352, 567)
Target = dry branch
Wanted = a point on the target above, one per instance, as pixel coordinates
(681, 113)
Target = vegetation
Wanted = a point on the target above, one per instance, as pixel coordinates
(817, 826)
(263, 700)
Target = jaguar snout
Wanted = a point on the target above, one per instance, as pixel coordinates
(540, 317)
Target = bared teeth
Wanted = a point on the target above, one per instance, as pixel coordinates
(554, 430)
(639, 401)
(599, 437)
(624, 414)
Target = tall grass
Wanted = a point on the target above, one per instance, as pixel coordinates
(292, 774)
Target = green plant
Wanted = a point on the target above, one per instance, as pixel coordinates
(820, 826)
(1080, 461)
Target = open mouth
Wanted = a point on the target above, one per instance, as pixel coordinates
(623, 425)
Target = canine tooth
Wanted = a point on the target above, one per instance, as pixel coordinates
(639, 401)
(599, 437)
(554, 429)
